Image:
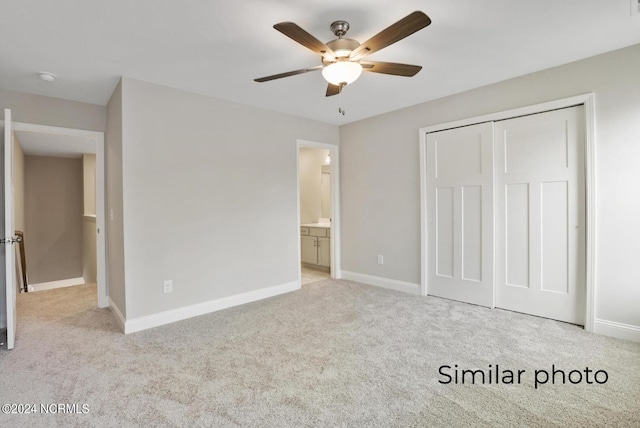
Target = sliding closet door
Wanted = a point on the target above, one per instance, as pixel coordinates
(460, 214)
(540, 214)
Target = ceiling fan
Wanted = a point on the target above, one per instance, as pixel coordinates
(342, 58)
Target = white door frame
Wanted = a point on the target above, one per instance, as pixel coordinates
(588, 100)
(335, 204)
(98, 138)
(9, 230)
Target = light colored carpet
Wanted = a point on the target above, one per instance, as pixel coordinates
(334, 354)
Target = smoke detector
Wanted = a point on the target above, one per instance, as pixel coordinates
(46, 76)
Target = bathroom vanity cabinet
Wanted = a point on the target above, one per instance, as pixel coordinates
(315, 244)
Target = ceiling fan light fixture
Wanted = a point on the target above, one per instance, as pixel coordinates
(341, 57)
(342, 72)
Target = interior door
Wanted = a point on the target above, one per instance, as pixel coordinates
(9, 230)
(460, 214)
(540, 215)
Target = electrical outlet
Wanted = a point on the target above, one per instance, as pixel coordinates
(168, 286)
(380, 259)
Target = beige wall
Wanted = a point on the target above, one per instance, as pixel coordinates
(89, 262)
(18, 184)
(311, 161)
(53, 207)
(114, 207)
(380, 174)
(209, 196)
(18, 203)
(89, 183)
(41, 110)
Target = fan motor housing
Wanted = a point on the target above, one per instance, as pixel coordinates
(342, 47)
(339, 28)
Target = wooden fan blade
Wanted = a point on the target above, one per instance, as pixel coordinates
(394, 68)
(395, 32)
(333, 89)
(288, 73)
(294, 32)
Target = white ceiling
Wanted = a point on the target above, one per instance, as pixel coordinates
(43, 144)
(217, 47)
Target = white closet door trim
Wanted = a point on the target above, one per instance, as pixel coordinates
(588, 100)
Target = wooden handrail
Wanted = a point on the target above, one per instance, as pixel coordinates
(23, 260)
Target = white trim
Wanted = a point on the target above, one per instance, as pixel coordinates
(392, 284)
(510, 114)
(588, 100)
(98, 138)
(50, 285)
(179, 314)
(617, 329)
(335, 204)
(423, 215)
(590, 212)
(9, 231)
(299, 245)
(116, 311)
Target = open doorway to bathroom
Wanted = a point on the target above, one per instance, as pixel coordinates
(317, 190)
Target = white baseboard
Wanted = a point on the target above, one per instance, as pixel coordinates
(393, 284)
(179, 314)
(56, 284)
(116, 311)
(617, 329)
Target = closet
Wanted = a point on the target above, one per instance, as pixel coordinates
(506, 214)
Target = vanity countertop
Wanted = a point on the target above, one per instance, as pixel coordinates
(324, 225)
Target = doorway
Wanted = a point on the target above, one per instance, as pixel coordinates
(61, 140)
(529, 169)
(317, 231)
(54, 196)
